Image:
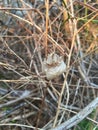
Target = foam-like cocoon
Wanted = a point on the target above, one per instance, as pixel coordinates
(53, 66)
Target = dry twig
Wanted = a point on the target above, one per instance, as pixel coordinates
(79, 117)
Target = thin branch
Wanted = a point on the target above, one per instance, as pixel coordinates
(79, 117)
(23, 96)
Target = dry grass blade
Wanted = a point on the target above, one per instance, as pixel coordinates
(48, 61)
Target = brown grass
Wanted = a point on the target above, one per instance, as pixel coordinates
(69, 30)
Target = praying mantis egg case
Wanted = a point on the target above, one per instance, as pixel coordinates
(53, 66)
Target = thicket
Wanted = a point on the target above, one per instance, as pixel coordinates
(48, 64)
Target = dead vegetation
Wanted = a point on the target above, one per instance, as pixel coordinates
(30, 31)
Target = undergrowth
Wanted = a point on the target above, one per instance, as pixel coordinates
(32, 30)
